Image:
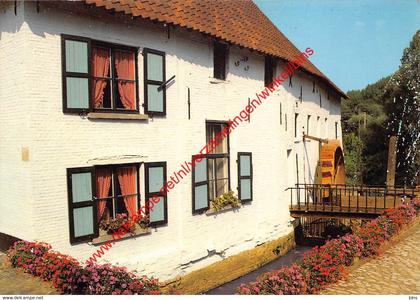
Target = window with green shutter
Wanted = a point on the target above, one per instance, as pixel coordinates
(82, 206)
(155, 180)
(154, 77)
(245, 176)
(200, 185)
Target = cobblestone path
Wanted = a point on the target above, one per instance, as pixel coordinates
(14, 282)
(397, 271)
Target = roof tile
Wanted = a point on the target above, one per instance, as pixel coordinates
(239, 22)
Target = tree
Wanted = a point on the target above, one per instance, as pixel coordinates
(387, 107)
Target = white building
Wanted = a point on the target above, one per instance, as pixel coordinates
(79, 98)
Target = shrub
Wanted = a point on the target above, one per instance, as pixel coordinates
(326, 264)
(224, 200)
(69, 277)
(27, 255)
(114, 280)
(286, 281)
(59, 269)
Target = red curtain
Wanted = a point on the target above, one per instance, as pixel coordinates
(124, 64)
(103, 182)
(100, 68)
(127, 177)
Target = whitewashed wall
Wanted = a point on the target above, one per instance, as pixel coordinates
(58, 141)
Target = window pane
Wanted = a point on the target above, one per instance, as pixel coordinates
(125, 64)
(211, 132)
(212, 189)
(158, 212)
(101, 98)
(154, 98)
(222, 168)
(83, 221)
(200, 196)
(81, 187)
(245, 189)
(126, 97)
(155, 179)
(201, 171)
(77, 92)
(76, 56)
(245, 165)
(222, 186)
(154, 67)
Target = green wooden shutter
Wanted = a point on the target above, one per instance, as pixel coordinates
(154, 76)
(155, 175)
(200, 186)
(245, 176)
(76, 74)
(82, 206)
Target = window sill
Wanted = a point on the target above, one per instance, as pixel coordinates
(108, 237)
(116, 116)
(217, 80)
(213, 211)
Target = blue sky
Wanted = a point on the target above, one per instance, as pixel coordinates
(356, 42)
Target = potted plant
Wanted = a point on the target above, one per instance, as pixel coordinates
(113, 225)
(224, 200)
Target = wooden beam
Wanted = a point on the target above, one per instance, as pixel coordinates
(310, 137)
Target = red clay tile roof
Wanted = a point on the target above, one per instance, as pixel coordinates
(239, 22)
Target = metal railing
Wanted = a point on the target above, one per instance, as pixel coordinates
(348, 198)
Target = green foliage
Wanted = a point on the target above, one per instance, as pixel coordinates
(353, 158)
(387, 107)
(224, 200)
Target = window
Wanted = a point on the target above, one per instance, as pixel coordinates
(297, 168)
(290, 81)
(116, 191)
(219, 63)
(98, 76)
(154, 77)
(98, 194)
(211, 175)
(155, 175)
(217, 161)
(245, 176)
(320, 100)
(308, 122)
(296, 125)
(268, 70)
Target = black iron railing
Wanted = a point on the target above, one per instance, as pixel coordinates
(348, 198)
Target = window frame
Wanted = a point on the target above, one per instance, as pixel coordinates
(64, 74)
(72, 206)
(147, 81)
(210, 156)
(217, 46)
(114, 182)
(251, 176)
(113, 78)
(200, 183)
(148, 195)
